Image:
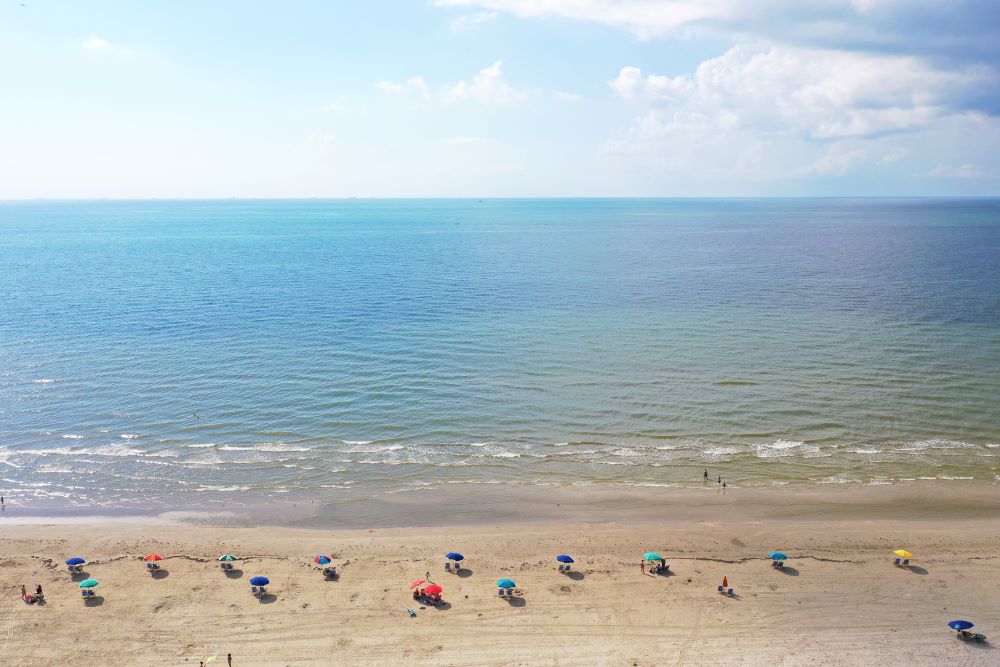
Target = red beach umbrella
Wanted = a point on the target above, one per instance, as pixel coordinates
(153, 557)
(433, 589)
(417, 583)
(725, 582)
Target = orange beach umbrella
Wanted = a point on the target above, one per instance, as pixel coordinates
(153, 557)
(417, 583)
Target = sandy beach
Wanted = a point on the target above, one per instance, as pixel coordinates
(839, 601)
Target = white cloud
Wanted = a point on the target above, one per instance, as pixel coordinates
(95, 44)
(489, 86)
(643, 17)
(837, 159)
(468, 20)
(321, 141)
(413, 85)
(819, 94)
(962, 171)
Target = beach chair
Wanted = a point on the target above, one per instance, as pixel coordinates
(329, 572)
(261, 592)
(447, 566)
(721, 589)
(730, 592)
(502, 592)
(253, 590)
(898, 561)
(906, 563)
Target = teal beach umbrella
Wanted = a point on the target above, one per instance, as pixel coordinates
(88, 583)
(506, 583)
(652, 555)
(227, 558)
(777, 555)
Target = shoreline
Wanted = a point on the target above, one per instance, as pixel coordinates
(479, 505)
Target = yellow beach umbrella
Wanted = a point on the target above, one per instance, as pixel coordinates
(903, 553)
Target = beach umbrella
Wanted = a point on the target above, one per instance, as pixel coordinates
(903, 553)
(152, 557)
(433, 589)
(725, 582)
(960, 625)
(506, 583)
(321, 560)
(417, 583)
(563, 558)
(227, 558)
(652, 555)
(88, 583)
(260, 581)
(777, 555)
(76, 561)
(454, 555)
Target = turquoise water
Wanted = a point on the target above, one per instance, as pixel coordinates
(159, 354)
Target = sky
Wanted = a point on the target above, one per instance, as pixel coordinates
(499, 98)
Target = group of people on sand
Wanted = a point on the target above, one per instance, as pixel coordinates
(32, 599)
(423, 597)
(659, 568)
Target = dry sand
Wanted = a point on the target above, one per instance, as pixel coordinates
(840, 601)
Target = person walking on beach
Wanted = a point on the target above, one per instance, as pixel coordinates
(24, 592)
(706, 474)
(719, 481)
(642, 566)
(229, 659)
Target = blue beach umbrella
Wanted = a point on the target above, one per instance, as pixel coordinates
(777, 555)
(506, 583)
(960, 625)
(322, 560)
(260, 581)
(454, 555)
(563, 558)
(76, 561)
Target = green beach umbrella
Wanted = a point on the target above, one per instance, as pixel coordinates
(88, 583)
(652, 555)
(227, 557)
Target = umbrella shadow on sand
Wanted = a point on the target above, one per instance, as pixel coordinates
(575, 576)
(789, 570)
(234, 574)
(443, 606)
(516, 601)
(465, 573)
(79, 576)
(268, 598)
(95, 601)
(916, 569)
(161, 574)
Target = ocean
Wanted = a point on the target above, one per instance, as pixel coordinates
(166, 354)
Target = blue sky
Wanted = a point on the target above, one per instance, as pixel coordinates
(499, 98)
